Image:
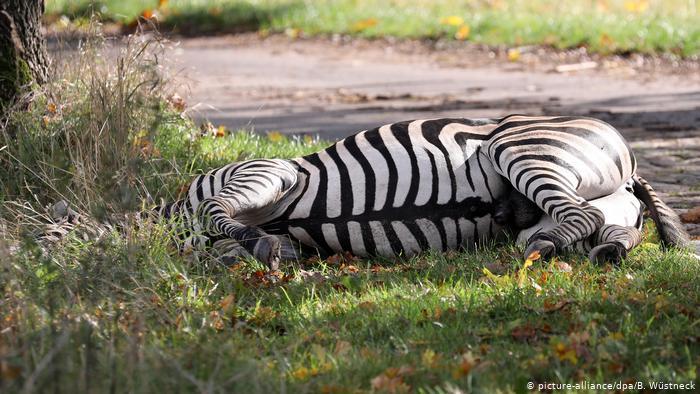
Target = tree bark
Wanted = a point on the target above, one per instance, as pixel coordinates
(23, 56)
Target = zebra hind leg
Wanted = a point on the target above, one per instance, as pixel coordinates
(216, 215)
(230, 251)
(611, 243)
(576, 221)
(613, 240)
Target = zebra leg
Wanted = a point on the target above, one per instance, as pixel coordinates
(612, 242)
(576, 220)
(215, 215)
(230, 251)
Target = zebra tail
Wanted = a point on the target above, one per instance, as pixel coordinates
(668, 224)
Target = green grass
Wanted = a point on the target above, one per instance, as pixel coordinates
(603, 26)
(128, 314)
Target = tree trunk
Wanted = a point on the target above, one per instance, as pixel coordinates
(23, 56)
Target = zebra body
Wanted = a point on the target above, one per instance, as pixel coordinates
(439, 184)
(411, 186)
(399, 189)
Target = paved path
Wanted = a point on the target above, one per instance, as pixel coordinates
(336, 89)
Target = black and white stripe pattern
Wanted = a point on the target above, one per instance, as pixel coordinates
(411, 186)
(399, 189)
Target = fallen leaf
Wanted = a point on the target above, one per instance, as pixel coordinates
(465, 365)
(437, 313)
(292, 32)
(565, 352)
(579, 337)
(332, 389)
(349, 269)
(462, 33)
(636, 6)
(616, 368)
(215, 321)
(524, 333)
(301, 373)
(368, 353)
(342, 348)
(563, 267)
(207, 128)
(339, 287)
(692, 216)
(388, 384)
(148, 14)
(513, 56)
(550, 306)
(606, 41)
(495, 279)
(364, 24)
(228, 304)
(263, 315)
(430, 359)
(391, 380)
(538, 288)
(177, 102)
(534, 256)
(311, 276)
(615, 336)
(522, 274)
(452, 20)
(9, 372)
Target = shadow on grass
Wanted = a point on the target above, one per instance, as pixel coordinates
(187, 20)
(608, 318)
(228, 18)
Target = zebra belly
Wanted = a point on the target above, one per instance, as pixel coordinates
(393, 236)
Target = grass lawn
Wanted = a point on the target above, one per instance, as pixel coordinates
(127, 314)
(603, 26)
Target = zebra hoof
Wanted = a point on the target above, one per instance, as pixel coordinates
(267, 251)
(607, 253)
(546, 248)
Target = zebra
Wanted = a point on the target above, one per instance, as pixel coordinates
(406, 187)
(620, 234)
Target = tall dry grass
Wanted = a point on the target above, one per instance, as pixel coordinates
(85, 136)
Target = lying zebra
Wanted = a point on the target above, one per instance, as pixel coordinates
(431, 184)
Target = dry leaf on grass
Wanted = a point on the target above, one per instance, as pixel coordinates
(312, 276)
(563, 267)
(692, 216)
